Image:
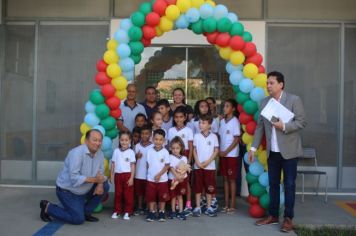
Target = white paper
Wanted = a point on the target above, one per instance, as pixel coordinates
(276, 109)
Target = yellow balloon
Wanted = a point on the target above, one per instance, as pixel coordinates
(260, 80)
(262, 157)
(225, 53)
(113, 70)
(159, 32)
(172, 12)
(248, 146)
(110, 57)
(119, 83)
(244, 128)
(84, 128)
(265, 167)
(237, 58)
(250, 70)
(111, 44)
(121, 94)
(197, 3)
(165, 24)
(211, 3)
(266, 92)
(246, 138)
(183, 5)
(82, 139)
(106, 168)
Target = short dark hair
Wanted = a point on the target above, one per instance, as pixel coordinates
(159, 132)
(208, 118)
(180, 109)
(163, 102)
(150, 87)
(211, 98)
(88, 133)
(136, 130)
(146, 127)
(279, 77)
(140, 115)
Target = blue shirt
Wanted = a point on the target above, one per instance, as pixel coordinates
(149, 110)
(78, 165)
(128, 114)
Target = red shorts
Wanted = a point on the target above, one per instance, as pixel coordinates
(229, 167)
(204, 179)
(157, 190)
(140, 187)
(186, 154)
(180, 189)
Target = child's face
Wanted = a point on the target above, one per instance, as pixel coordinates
(125, 141)
(157, 120)
(203, 108)
(158, 140)
(228, 109)
(204, 125)
(145, 135)
(163, 110)
(212, 105)
(179, 118)
(175, 148)
(136, 138)
(140, 121)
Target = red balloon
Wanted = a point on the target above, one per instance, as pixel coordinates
(237, 42)
(108, 90)
(250, 127)
(113, 102)
(211, 37)
(101, 78)
(261, 69)
(115, 113)
(244, 118)
(159, 7)
(148, 32)
(256, 211)
(255, 59)
(249, 49)
(146, 42)
(152, 19)
(101, 65)
(171, 2)
(240, 108)
(223, 39)
(252, 199)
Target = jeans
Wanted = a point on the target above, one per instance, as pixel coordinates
(276, 163)
(75, 207)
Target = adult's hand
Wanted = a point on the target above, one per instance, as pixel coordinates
(99, 190)
(278, 125)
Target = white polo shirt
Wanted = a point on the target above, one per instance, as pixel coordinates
(185, 133)
(123, 160)
(205, 146)
(174, 161)
(156, 161)
(167, 125)
(141, 163)
(128, 114)
(214, 126)
(229, 129)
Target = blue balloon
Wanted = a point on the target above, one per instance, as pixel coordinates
(236, 77)
(91, 119)
(100, 128)
(89, 107)
(263, 179)
(125, 24)
(127, 64)
(232, 17)
(182, 22)
(193, 15)
(257, 94)
(108, 153)
(256, 168)
(246, 85)
(231, 68)
(246, 160)
(206, 11)
(107, 143)
(220, 11)
(129, 75)
(121, 36)
(123, 50)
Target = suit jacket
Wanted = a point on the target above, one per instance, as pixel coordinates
(289, 140)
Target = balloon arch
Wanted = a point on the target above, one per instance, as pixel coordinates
(221, 29)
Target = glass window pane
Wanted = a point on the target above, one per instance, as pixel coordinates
(16, 103)
(308, 56)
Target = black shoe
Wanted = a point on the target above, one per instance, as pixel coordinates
(43, 215)
(91, 218)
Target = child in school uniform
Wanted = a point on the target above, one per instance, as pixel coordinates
(202, 108)
(165, 109)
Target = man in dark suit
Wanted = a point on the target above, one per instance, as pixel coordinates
(284, 145)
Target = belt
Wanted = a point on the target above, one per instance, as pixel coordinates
(62, 189)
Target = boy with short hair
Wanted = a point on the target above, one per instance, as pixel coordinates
(165, 109)
(206, 149)
(157, 179)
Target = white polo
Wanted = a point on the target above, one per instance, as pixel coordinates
(156, 161)
(185, 133)
(167, 125)
(214, 126)
(141, 163)
(229, 129)
(123, 160)
(174, 161)
(205, 146)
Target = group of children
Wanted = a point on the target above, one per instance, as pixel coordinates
(144, 166)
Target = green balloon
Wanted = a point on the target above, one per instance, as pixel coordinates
(99, 208)
(197, 27)
(209, 25)
(102, 111)
(108, 123)
(250, 107)
(256, 116)
(136, 58)
(112, 133)
(264, 201)
(224, 25)
(251, 179)
(242, 97)
(247, 36)
(136, 47)
(237, 29)
(145, 8)
(257, 190)
(236, 88)
(135, 33)
(138, 19)
(96, 97)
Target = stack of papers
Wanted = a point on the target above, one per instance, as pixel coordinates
(276, 109)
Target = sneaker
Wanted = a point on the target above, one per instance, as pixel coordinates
(188, 211)
(214, 203)
(197, 212)
(161, 217)
(115, 215)
(137, 212)
(211, 212)
(150, 217)
(126, 216)
(172, 215)
(202, 202)
(181, 216)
